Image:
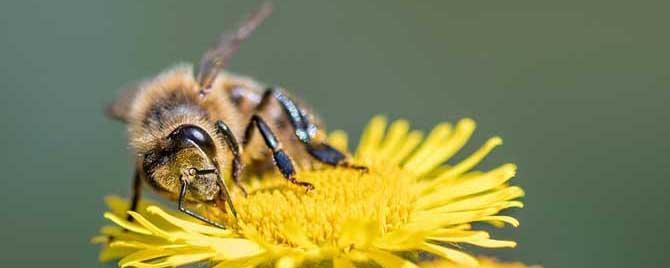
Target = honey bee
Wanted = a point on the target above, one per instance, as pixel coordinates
(189, 131)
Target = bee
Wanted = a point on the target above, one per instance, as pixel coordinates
(189, 131)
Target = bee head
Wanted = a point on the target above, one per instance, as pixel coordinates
(188, 155)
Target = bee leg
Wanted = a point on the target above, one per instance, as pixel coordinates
(305, 130)
(181, 205)
(331, 156)
(281, 159)
(231, 141)
(136, 193)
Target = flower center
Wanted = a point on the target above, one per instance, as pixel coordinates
(341, 195)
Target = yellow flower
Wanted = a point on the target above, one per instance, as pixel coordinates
(484, 262)
(407, 203)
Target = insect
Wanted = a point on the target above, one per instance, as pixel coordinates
(189, 131)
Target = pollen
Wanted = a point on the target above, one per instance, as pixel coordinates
(341, 195)
(410, 200)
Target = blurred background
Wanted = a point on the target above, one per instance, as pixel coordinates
(578, 90)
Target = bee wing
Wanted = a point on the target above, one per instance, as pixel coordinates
(216, 58)
(119, 109)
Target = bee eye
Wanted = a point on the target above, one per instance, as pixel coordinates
(185, 133)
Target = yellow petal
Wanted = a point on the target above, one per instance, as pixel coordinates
(179, 260)
(481, 201)
(428, 147)
(448, 148)
(126, 225)
(100, 239)
(249, 262)
(492, 243)
(468, 186)
(296, 235)
(371, 137)
(187, 225)
(435, 220)
(339, 140)
(394, 138)
(117, 205)
(388, 260)
(358, 233)
(286, 262)
(149, 226)
(473, 159)
(143, 255)
(403, 151)
(458, 236)
(130, 244)
(109, 253)
(451, 254)
(402, 239)
(342, 262)
(507, 219)
(236, 248)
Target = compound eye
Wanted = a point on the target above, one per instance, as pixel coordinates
(185, 133)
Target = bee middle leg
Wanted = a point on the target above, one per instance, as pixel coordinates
(305, 130)
(281, 158)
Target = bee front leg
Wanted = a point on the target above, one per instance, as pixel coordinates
(281, 158)
(136, 194)
(182, 200)
(231, 141)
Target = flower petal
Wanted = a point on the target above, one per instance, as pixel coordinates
(472, 160)
(149, 226)
(492, 243)
(388, 260)
(435, 137)
(236, 248)
(430, 221)
(448, 148)
(451, 254)
(358, 233)
(248, 262)
(339, 140)
(394, 138)
(126, 225)
(491, 199)
(109, 253)
(143, 255)
(296, 235)
(371, 137)
(342, 262)
(468, 186)
(187, 225)
(179, 260)
(403, 151)
(451, 235)
(506, 219)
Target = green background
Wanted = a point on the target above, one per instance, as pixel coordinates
(578, 90)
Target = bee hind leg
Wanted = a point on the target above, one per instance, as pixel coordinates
(304, 131)
(282, 160)
(331, 156)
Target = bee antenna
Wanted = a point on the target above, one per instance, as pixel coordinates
(215, 59)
